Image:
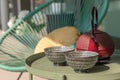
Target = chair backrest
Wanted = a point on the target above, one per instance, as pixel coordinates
(19, 41)
(75, 13)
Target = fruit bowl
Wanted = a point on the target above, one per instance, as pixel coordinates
(57, 54)
(81, 60)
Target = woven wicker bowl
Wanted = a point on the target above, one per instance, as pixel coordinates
(81, 61)
(57, 54)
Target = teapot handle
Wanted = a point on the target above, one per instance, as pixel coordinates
(94, 20)
(94, 23)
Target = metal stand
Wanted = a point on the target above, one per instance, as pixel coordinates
(19, 76)
(30, 76)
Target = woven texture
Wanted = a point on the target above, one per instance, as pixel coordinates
(19, 41)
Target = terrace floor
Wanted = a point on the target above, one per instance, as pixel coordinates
(6, 75)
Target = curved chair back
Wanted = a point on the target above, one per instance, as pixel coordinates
(19, 41)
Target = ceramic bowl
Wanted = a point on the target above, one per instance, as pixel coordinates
(82, 60)
(57, 54)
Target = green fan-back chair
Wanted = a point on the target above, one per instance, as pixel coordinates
(20, 40)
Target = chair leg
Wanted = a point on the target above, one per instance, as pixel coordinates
(30, 76)
(19, 76)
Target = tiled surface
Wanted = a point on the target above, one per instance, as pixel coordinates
(6, 75)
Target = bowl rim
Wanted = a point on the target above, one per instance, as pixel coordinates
(81, 53)
(70, 49)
